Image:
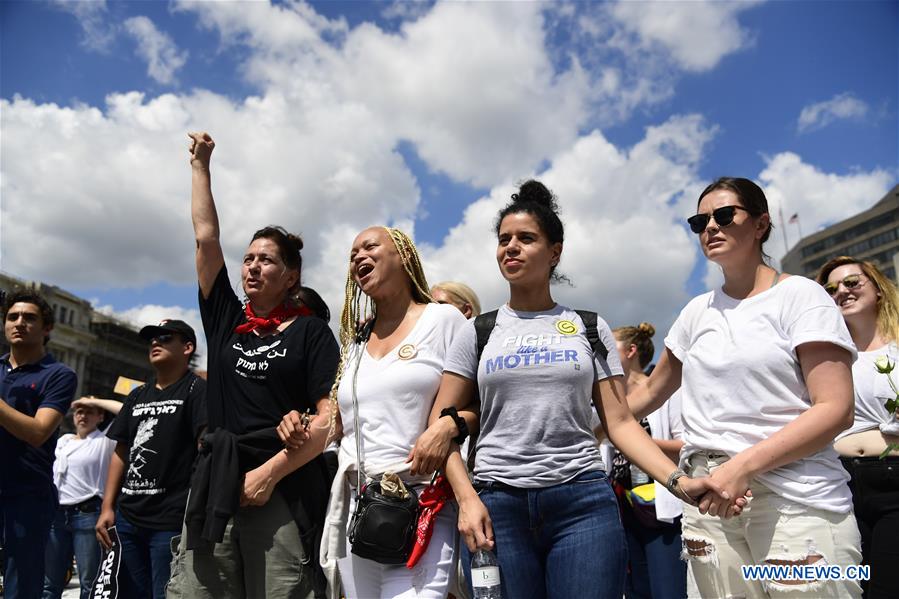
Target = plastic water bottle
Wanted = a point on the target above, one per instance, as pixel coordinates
(485, 576)
(638, 477)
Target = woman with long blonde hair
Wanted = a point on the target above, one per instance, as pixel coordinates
(869, 303)
(459, 295)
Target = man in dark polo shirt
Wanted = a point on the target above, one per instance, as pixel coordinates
(149, 473)
(35, 393)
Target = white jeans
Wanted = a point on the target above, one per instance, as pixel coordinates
(429, 579)
(770, 529)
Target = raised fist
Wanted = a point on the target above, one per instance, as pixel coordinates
(200, 149)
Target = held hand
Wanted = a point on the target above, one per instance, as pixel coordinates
(200, 149)
(293, 430)
(475, 525)
(257, 487)
(104, 521)
(432, 448)
(691, 490)
(733, 478)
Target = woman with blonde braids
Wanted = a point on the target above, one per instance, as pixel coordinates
(394, 376)
(869, 303)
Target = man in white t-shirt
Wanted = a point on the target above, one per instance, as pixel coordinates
(79, 473)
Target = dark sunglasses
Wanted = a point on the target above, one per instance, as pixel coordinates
(162, 339)
(849, 282)
(723, 216)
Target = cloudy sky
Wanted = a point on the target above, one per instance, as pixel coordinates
(333, 116)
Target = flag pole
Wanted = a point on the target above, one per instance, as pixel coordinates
(783, 224)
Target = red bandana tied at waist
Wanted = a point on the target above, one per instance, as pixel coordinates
(431, 501)
(274, 319)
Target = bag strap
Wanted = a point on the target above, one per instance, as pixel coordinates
(483, 326)
(592, 334)
(360, 345)
(485, 323)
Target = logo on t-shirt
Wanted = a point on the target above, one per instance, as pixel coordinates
(407, 352)
(566, 327)
(140, 455)
(255, 361)
(532, 350)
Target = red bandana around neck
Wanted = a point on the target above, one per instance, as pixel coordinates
(273, 320)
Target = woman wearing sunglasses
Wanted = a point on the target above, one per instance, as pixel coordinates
(267, 356)
(764, 368)
(540, 498)
(870, 304)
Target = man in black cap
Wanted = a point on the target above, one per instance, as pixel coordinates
(156, 433)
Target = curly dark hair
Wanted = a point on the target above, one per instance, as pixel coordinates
(536, 199)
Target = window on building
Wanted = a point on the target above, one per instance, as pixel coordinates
(62, 314)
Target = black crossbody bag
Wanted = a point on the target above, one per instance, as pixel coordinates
(383, 527)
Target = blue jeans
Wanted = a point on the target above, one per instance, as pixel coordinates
(26, 524)
(560, 541)
(72, 533)
(146, 559)
(656, 568)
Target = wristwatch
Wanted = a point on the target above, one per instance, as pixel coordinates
(460, 424)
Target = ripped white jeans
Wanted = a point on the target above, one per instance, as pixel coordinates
(771, 530)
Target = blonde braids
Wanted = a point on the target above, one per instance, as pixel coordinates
(358, 308)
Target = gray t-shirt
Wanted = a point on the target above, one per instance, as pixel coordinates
(535, 379)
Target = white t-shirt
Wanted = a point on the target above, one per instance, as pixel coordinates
(395, 394)
(80, 467)
(742, 381)
(872, 389)
(665, 423)
(535, 379)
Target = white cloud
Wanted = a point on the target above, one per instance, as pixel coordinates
(821, 114)
(819, 198)
(315, 150)
(698, 35)
(406, 10)
(155, 47)
(97, 30)
(624, 241)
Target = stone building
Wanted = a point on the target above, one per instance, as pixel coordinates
(870, 235)
(97, 347)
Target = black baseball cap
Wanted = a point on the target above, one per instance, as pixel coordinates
(169, 326)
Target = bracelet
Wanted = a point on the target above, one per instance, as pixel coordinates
(460, 424)
(675, 489)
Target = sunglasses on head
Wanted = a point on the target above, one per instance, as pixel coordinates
(723, 216)
(162, 339)
(849, 282)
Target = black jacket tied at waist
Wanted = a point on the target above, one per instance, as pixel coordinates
(217, 480)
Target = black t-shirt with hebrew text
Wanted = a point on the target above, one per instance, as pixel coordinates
(254, 381)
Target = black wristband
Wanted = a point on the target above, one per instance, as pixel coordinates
(460, 424)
